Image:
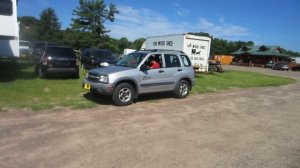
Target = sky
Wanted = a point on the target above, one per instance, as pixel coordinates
(265, 22)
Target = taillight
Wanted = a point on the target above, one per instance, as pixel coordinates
(77, 61)
(45, 60)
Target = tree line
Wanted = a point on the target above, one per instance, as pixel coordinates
(88, 30)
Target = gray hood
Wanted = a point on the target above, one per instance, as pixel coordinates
(109, 69)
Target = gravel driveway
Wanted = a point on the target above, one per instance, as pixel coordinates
(258, 127)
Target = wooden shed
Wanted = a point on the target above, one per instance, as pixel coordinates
(259, 55)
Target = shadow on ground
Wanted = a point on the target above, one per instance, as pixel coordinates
(107, 100)
(11, 70)
(98, 99)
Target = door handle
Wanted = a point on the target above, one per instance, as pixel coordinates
(161, 71)
(179, 70)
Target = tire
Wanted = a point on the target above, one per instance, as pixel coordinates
(36, 70)
(41, 73)
(123, 94)
(182, 89)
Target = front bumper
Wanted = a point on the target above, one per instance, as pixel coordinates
(99, 88)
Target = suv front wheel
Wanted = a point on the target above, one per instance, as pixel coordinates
(123, 94)
(182, 89)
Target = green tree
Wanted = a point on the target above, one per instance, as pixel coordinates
(91, 15)
(78, 39)
(200, 34)
(218, 46)
(137, 44)
(222, 46)
(28, 28)
(123, 43)
(49, 26)
(291, 53)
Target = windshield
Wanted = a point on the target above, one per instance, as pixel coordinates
(102, 54)
(61, 52)
(132, 60)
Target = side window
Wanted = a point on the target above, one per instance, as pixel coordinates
(186, 61)
(6, 7)
(154, 61)
(171, 61)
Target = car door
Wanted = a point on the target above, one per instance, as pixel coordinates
(153, 80)
(172, 69)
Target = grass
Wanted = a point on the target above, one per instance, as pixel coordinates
(23, 90)
(211, 82)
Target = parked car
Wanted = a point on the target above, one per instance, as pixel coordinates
(215, 66)
(296, 67)
(269, 65)
(58, 60)
(132, 76)
(25, 48)
(281, 66)
(93, 58)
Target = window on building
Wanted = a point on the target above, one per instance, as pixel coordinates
(6, 7)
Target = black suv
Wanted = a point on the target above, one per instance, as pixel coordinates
(93, 58)
(58, 60)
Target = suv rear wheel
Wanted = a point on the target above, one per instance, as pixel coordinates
(123, 94)
(182, 89)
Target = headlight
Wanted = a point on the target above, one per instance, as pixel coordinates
(103, 78)
(104, 64)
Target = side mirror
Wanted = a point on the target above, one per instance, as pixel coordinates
(143, 68)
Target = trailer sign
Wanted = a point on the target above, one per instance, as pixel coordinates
(162, 43)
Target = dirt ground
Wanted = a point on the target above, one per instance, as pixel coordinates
(258, 127)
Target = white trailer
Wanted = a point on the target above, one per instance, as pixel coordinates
(128, 51)
(297, 60)
(9, 29)
(196, 47)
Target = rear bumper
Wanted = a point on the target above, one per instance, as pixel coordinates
(62, 70)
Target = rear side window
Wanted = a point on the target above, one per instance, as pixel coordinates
(60, 52)
(171, 61)
(6, 7)
(186, 61)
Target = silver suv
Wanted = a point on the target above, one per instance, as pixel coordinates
(134, 75)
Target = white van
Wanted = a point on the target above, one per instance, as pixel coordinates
(9, 29)
(196, 47)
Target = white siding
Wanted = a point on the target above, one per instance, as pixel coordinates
(9, 32)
